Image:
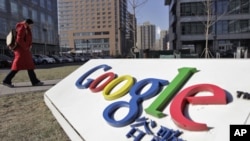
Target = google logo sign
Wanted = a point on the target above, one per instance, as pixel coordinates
(170, 94)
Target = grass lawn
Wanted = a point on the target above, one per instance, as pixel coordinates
(25, 117)
(44, 74)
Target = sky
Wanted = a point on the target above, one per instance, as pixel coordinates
(155, 12)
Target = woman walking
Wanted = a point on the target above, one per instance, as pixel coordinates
(22, 54)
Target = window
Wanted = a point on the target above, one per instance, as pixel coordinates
(3, 27)
(239, 7)
(192, 28)
(35, 33)
(2, 5)
(14, 9)
(35, 1)
(50, 36)
(241, 26)
(42, 17)
(244, 24)
(191, 9)
(25, 12)
(42, 3)
(222, 6)
(50, 20)
(222, 27)
(49, 5)
(231, 27)
(245, 8)
(200, 9)
(34, 15)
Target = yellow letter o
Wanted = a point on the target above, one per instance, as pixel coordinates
(122, 91)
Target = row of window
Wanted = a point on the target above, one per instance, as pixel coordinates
(43, 3)
(234, 43)
(98, 5)
(92, 27)
(220, 7)
(91, 18)
(92, 43)
(91, 46)
(76, 27)
(43, 36)
(43, 29)
(92, 1)
(82, 15)
(39, 35)
(221, 27)
(91, 33)
(27, 12)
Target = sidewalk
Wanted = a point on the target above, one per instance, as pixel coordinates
(26, 87)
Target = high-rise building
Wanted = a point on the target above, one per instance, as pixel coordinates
(44, 15)
(93, 26)
(229, 24)
(163, 40)
(131, 32)
(146, 36)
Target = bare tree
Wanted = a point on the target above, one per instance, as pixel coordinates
(212, 17)
(134, 5)
(209, 22)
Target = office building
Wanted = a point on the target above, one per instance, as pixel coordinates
(131, 32)
(96, 27)
(229, 24)
(146, 36)
(44, 15)
(163, 45)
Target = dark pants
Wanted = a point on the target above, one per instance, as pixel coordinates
(12, 73)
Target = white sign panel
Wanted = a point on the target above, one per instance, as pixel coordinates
(154, 100)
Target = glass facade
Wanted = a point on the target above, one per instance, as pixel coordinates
(220, 7)
(229, 24)
(13, 11)
(223, 27)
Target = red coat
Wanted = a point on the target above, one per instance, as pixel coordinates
(23, 57)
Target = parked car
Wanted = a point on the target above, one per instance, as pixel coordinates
(57, 58)
(36, 60)
(45, 59)
(67, 59)
(5, 61)
(77, 58)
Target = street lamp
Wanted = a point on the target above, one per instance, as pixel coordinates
(45, 28)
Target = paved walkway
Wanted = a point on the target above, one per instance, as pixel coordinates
(26, 87)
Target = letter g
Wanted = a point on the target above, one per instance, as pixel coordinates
(89, 81)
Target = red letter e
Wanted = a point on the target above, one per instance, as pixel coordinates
(187, 96)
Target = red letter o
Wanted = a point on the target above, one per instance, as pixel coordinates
(93, 86)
